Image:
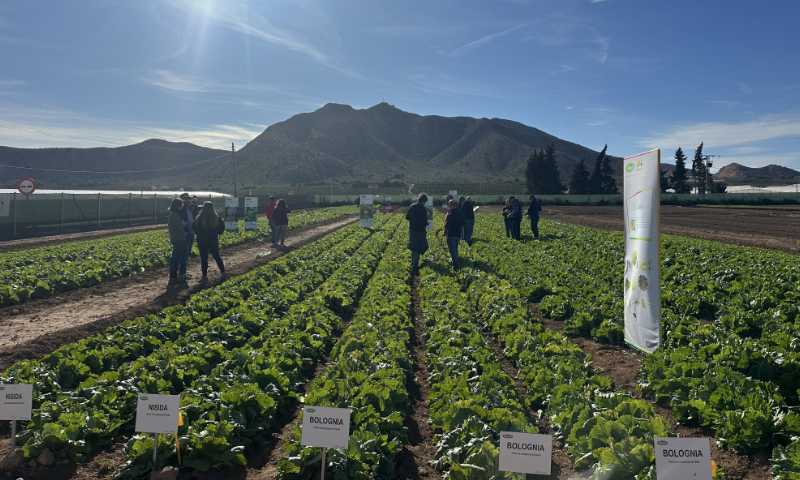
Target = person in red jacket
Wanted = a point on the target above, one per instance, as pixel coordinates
(270, 208)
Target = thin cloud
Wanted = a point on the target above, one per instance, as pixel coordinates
(169, 80)
(484, 40)
(727, 134)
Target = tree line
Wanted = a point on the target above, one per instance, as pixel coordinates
(542, 175)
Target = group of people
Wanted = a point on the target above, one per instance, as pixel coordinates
(459, 223)
(278, 216)
(512, 216)
(189, 221)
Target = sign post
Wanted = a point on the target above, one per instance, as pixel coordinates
(16, 403)
(683, 458)
(325, 428)
(642, 293)
(157, 414)
(366, 210)
(250, 213)
(525, 453)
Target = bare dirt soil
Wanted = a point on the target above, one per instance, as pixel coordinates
(767, 227)
(24, 243)
(39, 327)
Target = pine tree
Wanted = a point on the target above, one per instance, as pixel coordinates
(541, 172)
(579, 182)
(533, 171)
(699, 170)
(663, 179)
(679, 182)
(552, 177)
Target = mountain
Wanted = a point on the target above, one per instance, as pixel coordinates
(173, 162)
(339, 142)
(737, 174)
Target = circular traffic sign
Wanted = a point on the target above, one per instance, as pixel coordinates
(26, 186)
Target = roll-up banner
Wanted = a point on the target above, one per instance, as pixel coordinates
(642, 192)
(251, 213)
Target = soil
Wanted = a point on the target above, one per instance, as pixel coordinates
(41, 326)
(623, 366)
(416, 459)
(24, 243)
(767, 227)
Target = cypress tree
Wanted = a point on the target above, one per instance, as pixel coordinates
(699, 170)
(602, 179)
(579, 182)
(679, 182)
(663, 180)
(533, 171)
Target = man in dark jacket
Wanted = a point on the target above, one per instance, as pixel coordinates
(453, 228)
(516, 218)
(533, 213)
(468, 215)
(417, 217)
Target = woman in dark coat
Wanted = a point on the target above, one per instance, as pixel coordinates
(453, 229)
(507, 216)
(417, 217)
(280, 217)
(208, 227)
(179, 239)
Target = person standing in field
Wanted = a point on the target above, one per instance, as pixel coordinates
(208, 227)
(280, 216)
(507, 216)
(516, 218)
(453, 228)
(468, 214)
(534, 210)
(188, 220)
(417, 217)
(176, 224)
(270, 208)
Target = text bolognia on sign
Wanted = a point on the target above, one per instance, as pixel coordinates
(326, 427)
(525, 453)
(683, 458)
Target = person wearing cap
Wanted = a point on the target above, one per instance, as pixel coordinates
(208, 227)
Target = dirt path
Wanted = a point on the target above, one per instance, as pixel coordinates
(415, 460)
(624, 365)
(775, 228)
(23, 243)
(40, 327)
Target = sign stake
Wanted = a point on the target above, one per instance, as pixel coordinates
(322, 472)
(155, 450)
(13, 433)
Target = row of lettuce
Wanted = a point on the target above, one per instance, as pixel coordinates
(237, 353)
(40, 272)
(730, 355)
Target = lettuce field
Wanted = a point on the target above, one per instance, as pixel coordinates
(497, 345)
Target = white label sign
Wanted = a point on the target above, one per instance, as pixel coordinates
(525, 453)
(250, 202)
(683, 458)
(157, 413)
(16, 401)
(326, 427)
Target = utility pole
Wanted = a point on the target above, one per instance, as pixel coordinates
(235, 180)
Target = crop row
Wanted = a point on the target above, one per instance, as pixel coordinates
(472, 399)
(86, 391)
(231, 410)
(729, 357)
(368, 372)
(44, 271)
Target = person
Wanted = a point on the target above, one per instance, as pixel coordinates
(188, 220)
(507, 216)
(468, 214)
(453, 228)
(516, 218)
(270, 208)
(176, 224)
(417, 217)
(208, 227)
(280, 216)
(533, 213)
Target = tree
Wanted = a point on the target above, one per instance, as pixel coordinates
(579, 182)
(602, 179)
(662, 177)
(699, 170)
(541, 173)
(679, 182)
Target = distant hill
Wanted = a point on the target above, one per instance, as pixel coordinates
(737, 174)
(173, 160)
(338, 142)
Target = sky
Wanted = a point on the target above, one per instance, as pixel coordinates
(633, 74)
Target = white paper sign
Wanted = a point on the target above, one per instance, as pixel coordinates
(16, 401)
(326, 427)
(157, 413)
(250, 202)
(683, 458)
(642, 293)
(525, 453)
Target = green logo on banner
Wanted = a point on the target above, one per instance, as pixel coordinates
(629, 167)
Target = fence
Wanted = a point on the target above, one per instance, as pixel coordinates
(24, 216)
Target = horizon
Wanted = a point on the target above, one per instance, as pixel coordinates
(107, 74)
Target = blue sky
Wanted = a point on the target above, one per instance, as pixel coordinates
(631, 73)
